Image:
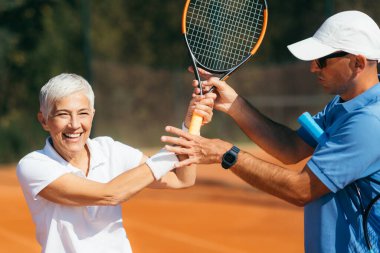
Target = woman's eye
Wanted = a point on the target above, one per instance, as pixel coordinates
(62, 114)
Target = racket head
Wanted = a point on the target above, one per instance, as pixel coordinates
(222, 35)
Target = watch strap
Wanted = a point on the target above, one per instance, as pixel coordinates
(230, 157)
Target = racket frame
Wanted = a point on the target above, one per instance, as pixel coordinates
(365, 211)
(228, 72)
(365, 221)
(196, 121)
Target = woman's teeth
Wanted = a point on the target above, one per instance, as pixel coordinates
(72, 135)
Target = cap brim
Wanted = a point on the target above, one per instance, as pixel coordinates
(310, 49)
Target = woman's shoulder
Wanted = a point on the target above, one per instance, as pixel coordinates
(37, 155)
(36, 164)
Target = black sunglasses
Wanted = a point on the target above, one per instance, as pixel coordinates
(321, 62)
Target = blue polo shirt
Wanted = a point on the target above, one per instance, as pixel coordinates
(333, 223)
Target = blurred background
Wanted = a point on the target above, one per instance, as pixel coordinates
(133, 54)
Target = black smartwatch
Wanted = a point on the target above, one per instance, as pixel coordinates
(230, 157)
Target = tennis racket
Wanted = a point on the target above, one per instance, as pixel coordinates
(370, 217)
(221, 35)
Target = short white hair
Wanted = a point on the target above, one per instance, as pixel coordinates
(60, 87)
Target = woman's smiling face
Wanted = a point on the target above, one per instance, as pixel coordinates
(69, 124)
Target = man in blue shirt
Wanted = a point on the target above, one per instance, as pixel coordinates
(339, 177)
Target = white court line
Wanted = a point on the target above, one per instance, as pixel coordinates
(31, 245)
(184, 238)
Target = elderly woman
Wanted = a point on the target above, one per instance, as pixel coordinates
(74, 186)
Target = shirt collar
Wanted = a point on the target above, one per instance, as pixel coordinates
(96, 156)
(52, 153)
(370, 95)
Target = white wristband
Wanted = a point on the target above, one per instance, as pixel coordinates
(161, 163)
(184, 128)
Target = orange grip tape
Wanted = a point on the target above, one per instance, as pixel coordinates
(195, 124)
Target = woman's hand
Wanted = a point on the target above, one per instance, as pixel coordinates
(202, 106)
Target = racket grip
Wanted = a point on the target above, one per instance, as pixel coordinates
(312, 127)
(195, 124)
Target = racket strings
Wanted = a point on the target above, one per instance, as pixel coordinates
(222, 33)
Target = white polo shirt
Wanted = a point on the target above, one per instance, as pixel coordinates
(84, 229)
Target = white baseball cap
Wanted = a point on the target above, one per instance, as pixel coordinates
(350, 31)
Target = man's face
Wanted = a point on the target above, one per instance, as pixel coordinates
(69, 124)
(336, 76)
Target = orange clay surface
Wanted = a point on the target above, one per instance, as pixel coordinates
(220, 214)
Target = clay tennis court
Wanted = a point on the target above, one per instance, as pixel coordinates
(220, 214)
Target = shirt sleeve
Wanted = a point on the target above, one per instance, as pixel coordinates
(350, 152)
(122, 157)
(129, 156)
(36, 171)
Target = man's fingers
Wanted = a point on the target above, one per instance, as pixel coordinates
(203, 73)
(183, 163)
(177, 149)
(211, 95)
(178, 132)
(177, 142)
(213, 81)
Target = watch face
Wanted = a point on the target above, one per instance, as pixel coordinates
(229, 158)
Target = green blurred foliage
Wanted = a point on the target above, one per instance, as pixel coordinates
(137, 60)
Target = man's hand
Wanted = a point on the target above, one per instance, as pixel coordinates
(199, 150)
(226, 94)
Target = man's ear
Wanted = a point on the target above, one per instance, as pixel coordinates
(42, 121)
(360, 62)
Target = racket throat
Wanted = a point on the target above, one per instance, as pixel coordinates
(227, 75)
(194, 65)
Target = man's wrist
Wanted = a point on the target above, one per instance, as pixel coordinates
(230, 157)
(235, 105)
